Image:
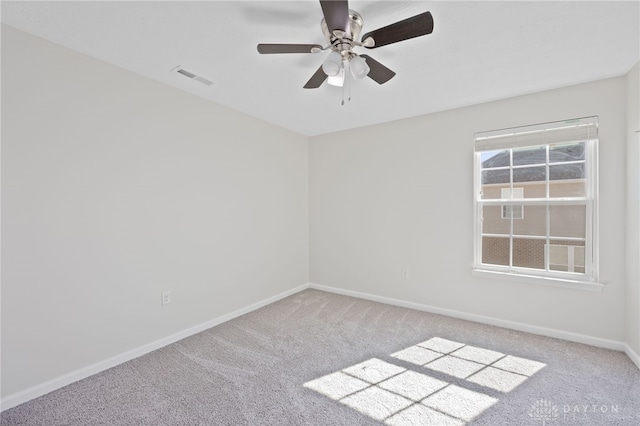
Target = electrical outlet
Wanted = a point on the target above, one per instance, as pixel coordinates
(404, 273)
(166, 297)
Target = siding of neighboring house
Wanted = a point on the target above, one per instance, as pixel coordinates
(567, 221)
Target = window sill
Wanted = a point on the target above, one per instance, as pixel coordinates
(538, 280)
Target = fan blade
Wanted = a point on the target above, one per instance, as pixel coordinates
(378, 72)
(336, 14)
(316, 80)
(288, 48)
(415, 26)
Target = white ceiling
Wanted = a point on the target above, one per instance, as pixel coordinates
(479, 51)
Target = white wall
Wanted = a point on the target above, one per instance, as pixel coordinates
(116, 188)
(633, 209)
(399, 195)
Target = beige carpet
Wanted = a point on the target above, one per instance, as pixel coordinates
(317, 358)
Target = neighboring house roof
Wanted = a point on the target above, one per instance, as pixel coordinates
(536, 157)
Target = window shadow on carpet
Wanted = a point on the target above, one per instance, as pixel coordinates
(398, 396)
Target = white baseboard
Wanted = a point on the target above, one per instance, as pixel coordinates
(543, 331)
(632, 354)
(59, 382)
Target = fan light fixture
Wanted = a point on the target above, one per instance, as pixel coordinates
(359, 67)
(334, 67)
(333, 64)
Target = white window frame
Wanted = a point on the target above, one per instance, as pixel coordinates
(576, 130)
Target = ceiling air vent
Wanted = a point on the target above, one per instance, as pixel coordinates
(192, 76)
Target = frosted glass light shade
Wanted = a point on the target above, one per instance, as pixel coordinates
(359, 67)
(338, 79)
(333, 64)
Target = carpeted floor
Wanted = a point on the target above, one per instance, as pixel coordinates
(317, 358)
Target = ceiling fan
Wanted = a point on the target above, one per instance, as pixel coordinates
(341, 28)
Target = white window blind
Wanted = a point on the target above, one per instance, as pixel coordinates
(577, 130)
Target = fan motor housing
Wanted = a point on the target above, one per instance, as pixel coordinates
(343, 43)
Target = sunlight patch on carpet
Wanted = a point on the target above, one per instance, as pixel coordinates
(419, 415)
(417, 355)
(497, 379)
(374, 370)
(337, 385)
(483, 356)
(522, 366)
(455, 367)
(460, 402)
(484, 367)
(441, 345)
(397, 396)
(412, 385)
(377, 403)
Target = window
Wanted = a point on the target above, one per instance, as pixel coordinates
(550, 171)
(512, 212)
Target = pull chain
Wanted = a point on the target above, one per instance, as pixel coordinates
(346, 82)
